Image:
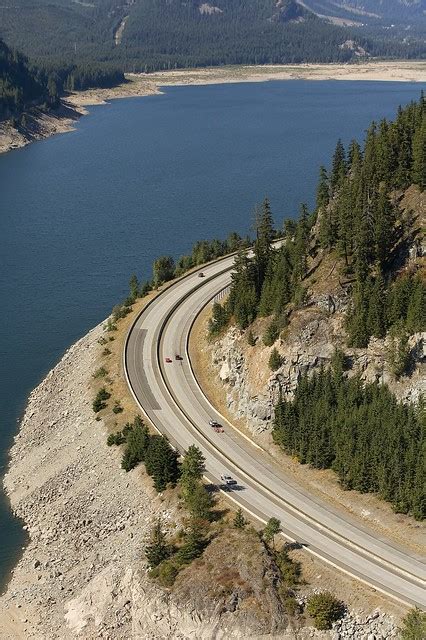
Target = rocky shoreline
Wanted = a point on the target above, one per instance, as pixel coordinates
(82, 574)
(86, 518)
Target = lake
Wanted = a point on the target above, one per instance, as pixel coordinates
(143, 177)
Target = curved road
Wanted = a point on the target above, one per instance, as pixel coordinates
(170, 397)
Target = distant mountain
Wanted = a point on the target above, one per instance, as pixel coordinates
(369, 12)
(146, 35)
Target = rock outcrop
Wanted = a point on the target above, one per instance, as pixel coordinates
(307, 344)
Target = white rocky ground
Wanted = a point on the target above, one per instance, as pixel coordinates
(82, 574)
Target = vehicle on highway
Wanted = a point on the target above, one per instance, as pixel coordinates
(178, 357)
(227, 479)
(201, 274)
(214, 423)
(168, 359)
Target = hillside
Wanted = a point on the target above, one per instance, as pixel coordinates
(146, 35)
(407, 12)
(325, 345)
(19, 86)
(25, 87)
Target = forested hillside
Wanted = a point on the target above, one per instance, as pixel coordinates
(372, 442)
(144, 35)
(19, 86)
(23, 86)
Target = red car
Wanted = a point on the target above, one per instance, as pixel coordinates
(168, 359)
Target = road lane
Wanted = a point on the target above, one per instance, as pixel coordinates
(171, 398)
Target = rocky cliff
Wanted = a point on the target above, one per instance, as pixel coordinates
(315, 330)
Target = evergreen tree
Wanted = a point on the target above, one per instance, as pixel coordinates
(262, 247)
(137, 443)
(419, 155)
(324, 609)
(273, 527)
(275, 360)
(161, 462)
(134, 287)
(414, 625)
(398, 350)
(239, 520)
(163, 270)
(219, 319)
(157, 550)
(193, 547)
(376, 320)
(251, 340)
(198, 500)
(242, 301)
(384, 220)
(416, 310)
(338, 170)
(301, 245)
(193, 464)
(323, 193)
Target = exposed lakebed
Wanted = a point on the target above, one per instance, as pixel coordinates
(140, 178)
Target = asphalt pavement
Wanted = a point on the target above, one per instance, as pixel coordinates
(171, 398)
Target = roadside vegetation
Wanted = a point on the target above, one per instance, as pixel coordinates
(414, 625)
(373, 443)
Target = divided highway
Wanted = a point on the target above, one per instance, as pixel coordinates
(170, 397)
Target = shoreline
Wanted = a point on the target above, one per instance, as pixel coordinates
(43, 125)
(82, 573)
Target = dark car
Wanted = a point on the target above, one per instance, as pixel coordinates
(178, 357)
(200, 274)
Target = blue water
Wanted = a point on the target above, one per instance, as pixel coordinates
(80, 212)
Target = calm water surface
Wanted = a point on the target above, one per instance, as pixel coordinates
(139, 178)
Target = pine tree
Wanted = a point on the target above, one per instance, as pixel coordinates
(134, 287)
(414, 625)
(419, 155)
(193, 464)
(193, 547)
(157, 550)
(323, 194)
(273, 527)
(416, 311)
(384, 220)
(198, 500)
(137, 443)
(398, 350)
(264, 236)
(239, 520)
(338, 170)
(161, 462)
(275, 360)
(251, 340)
(301, 245)
(376, 320)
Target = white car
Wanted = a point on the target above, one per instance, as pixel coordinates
(227, 479)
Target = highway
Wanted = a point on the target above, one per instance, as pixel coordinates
(169, 395)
